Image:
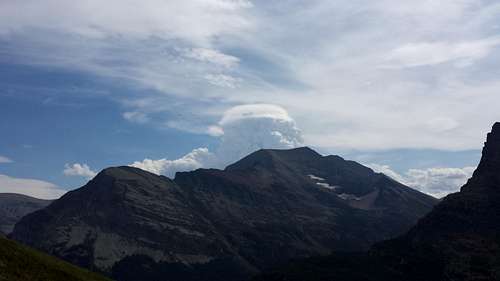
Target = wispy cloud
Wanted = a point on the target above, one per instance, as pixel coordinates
(212, 56)
(136, 117)
(461, 53)
(355, 74)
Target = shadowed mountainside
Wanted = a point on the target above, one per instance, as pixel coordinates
(458, 241)
(15, 206)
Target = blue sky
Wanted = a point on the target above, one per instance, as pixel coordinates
(409, 88)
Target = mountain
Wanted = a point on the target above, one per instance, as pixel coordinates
(209, 224)
(15, 206)
(458, 240)
(20, 263)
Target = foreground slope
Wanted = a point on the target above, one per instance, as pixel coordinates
(20, 263)
(459, 240)
(15, 206)
(210, 224)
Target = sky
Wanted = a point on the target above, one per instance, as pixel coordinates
(408, 88)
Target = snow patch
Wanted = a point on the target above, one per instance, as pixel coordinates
(321, 182)
(313, 177)
(326, 185)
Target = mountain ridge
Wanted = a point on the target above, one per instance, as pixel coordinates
(263, 210)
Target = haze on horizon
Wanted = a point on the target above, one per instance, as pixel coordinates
(405, 87)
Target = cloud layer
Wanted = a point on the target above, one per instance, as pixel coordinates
(31, 187)
(348, 82)
(437, 182)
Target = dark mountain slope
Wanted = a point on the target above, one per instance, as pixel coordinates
(15, 206)
(20, 263)
(223, 224)
(458, 240)
(122, 211)
(271, 209)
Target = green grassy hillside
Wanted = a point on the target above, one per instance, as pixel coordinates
(18, 262)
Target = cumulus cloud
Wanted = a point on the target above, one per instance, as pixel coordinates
(79, 170)
(197, 158)
(4, 159)
(248, 128)
(437, 182)
(242, 130)
(31, 187)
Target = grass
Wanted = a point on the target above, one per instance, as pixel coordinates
(19, 262)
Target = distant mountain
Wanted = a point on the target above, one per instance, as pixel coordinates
(20, 263)
(210, 224)
(458, 241)
(15, 206)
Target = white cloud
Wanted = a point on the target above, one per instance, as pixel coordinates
(386, 169)
(248, 128)
(215, 131)
(440, 124)
(4, 159)
(243, 129)
(325, 61)
(437, 182)
(189, 20)
(197, 158)
(420, 54)
(255, 111)
(31, 187)
(212, 56)
(80, 170)
(222, 80)
(136, 117)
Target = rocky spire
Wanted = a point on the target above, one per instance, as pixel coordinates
(487, 173)
(491, 150)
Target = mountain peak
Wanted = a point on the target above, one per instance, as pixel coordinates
(122, 172)
(491, 150)
(268, 157)
(304, 150)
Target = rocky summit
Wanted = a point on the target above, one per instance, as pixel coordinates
(209, 224)
(15, 206)
(458, 241)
